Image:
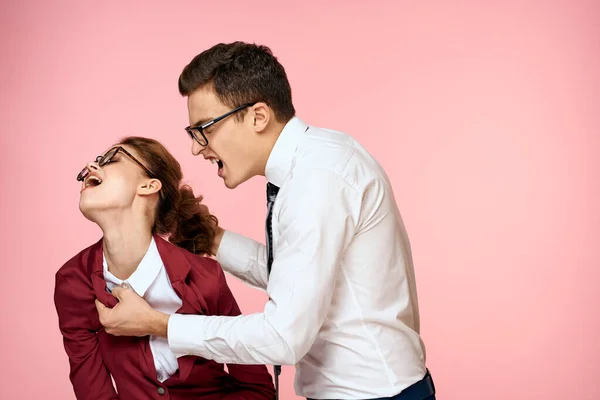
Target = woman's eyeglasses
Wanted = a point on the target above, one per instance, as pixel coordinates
(107, 158)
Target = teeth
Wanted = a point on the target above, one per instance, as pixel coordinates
(214, 160)
(88, 183)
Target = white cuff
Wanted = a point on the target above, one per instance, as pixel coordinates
(185, 335)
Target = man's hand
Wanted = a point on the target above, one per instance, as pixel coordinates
(132, 316)
(214, 223)
(217, 240)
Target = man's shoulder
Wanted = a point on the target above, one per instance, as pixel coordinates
(325, 140)
(328, 151)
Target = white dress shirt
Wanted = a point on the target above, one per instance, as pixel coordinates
(150, 281)
(342, 295)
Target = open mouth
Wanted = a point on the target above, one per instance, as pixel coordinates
(219, 164)
(92, 181)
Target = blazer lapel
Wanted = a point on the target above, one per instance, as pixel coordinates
(178, 268)
(97, 274)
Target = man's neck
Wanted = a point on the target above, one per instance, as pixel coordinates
(271, 137)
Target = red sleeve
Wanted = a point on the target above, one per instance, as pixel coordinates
(89, 375)
(254, 381)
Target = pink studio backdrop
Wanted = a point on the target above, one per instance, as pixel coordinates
(484, 114)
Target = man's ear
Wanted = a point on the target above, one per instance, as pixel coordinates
(261, 115)
(150, 186)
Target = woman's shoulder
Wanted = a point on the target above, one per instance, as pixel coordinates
(80, 265)
(203, 262)
(200, 259)
(73, 288)
(198, 262)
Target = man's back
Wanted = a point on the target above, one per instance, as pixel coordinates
(369, 343)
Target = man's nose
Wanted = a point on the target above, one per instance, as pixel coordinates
(197, 148)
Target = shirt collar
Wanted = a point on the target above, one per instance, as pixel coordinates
(280, 159)
(143, 276)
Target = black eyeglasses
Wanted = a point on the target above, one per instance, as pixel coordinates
(107, 158)
(197, 132)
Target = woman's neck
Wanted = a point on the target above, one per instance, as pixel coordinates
(126, 241)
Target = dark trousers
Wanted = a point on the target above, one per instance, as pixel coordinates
(421, 390)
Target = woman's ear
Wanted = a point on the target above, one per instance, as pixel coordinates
(261, 115)
(150, 186)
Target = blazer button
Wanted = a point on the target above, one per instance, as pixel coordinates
(161, 391)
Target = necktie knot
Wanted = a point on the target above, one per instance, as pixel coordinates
(272, 191)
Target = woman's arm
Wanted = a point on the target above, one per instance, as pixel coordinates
(89, 375)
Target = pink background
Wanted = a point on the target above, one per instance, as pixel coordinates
(484, 114)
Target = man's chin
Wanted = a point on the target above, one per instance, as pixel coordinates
(230, 184)
(233, 182)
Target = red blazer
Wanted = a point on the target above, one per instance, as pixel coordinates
(95, 355)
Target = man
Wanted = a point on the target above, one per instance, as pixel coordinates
(337, 266)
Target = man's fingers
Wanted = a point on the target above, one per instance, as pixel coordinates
(102, 310)
(99, 306)
(119, 291)
(116, 291)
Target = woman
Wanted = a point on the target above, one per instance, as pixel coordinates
(133, 194)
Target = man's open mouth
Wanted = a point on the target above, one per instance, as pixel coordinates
(217, 161)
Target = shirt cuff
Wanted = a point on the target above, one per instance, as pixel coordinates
(185, 335)
(237, 253)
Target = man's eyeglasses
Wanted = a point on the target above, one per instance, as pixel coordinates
(107, 158)
(197, 132)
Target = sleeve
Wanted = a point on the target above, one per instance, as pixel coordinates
(89, 375)
(244, 258)
(317, 221)
(252, 381)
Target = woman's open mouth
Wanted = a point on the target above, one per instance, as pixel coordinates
(92, 181)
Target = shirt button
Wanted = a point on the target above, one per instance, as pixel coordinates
(159, 377)
(161, 391)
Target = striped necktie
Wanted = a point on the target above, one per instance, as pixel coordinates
(272, 191)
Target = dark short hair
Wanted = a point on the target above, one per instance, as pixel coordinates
(241, 73)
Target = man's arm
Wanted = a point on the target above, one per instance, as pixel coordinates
(252, 381)
(240, 256)
(316, 224)
(244, 258)
(89, 375)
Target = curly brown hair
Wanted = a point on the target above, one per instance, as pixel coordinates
(180, 214)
